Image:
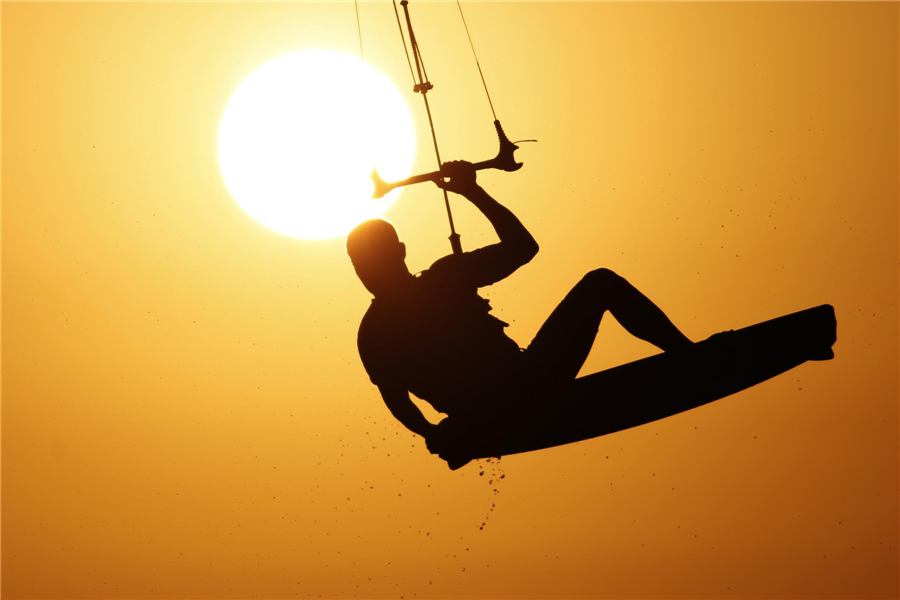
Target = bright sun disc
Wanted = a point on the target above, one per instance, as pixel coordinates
(299, 139)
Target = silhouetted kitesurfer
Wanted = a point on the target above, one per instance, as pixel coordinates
(431, 334)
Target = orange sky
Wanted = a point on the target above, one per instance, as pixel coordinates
(184, 413)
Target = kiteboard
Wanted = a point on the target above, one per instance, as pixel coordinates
(653, 388)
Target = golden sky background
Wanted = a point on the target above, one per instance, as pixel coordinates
(184, 413)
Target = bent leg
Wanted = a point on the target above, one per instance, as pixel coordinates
(564, 341)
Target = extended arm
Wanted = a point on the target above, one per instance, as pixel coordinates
(516, 247)
(401, 406)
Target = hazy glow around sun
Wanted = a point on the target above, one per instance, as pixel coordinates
(301, 135)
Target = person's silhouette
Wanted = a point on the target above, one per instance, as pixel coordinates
(433, 335)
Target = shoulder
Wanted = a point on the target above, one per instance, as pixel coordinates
(370, 343)
(376, 338)
(371, 326)
(449, 269)
(378, 346)
(442, 265)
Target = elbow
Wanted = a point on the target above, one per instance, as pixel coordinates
(530, 249)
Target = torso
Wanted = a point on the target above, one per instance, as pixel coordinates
(440, 341)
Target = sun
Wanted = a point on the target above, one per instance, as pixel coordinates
(301, 135)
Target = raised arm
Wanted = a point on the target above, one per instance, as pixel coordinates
(516, 247)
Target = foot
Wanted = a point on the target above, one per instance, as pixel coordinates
(722, 336)
(822, 354)
(681, 346)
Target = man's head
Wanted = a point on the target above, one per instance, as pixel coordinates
(378, 255)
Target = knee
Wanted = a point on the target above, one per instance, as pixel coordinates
(601, 278)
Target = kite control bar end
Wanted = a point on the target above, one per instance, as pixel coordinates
(505, 159)
(382, 187)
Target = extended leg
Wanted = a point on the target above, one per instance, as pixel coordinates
(565, 339)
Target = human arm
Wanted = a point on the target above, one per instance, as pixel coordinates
(397, 399)
(438, 438)
(517, 246)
